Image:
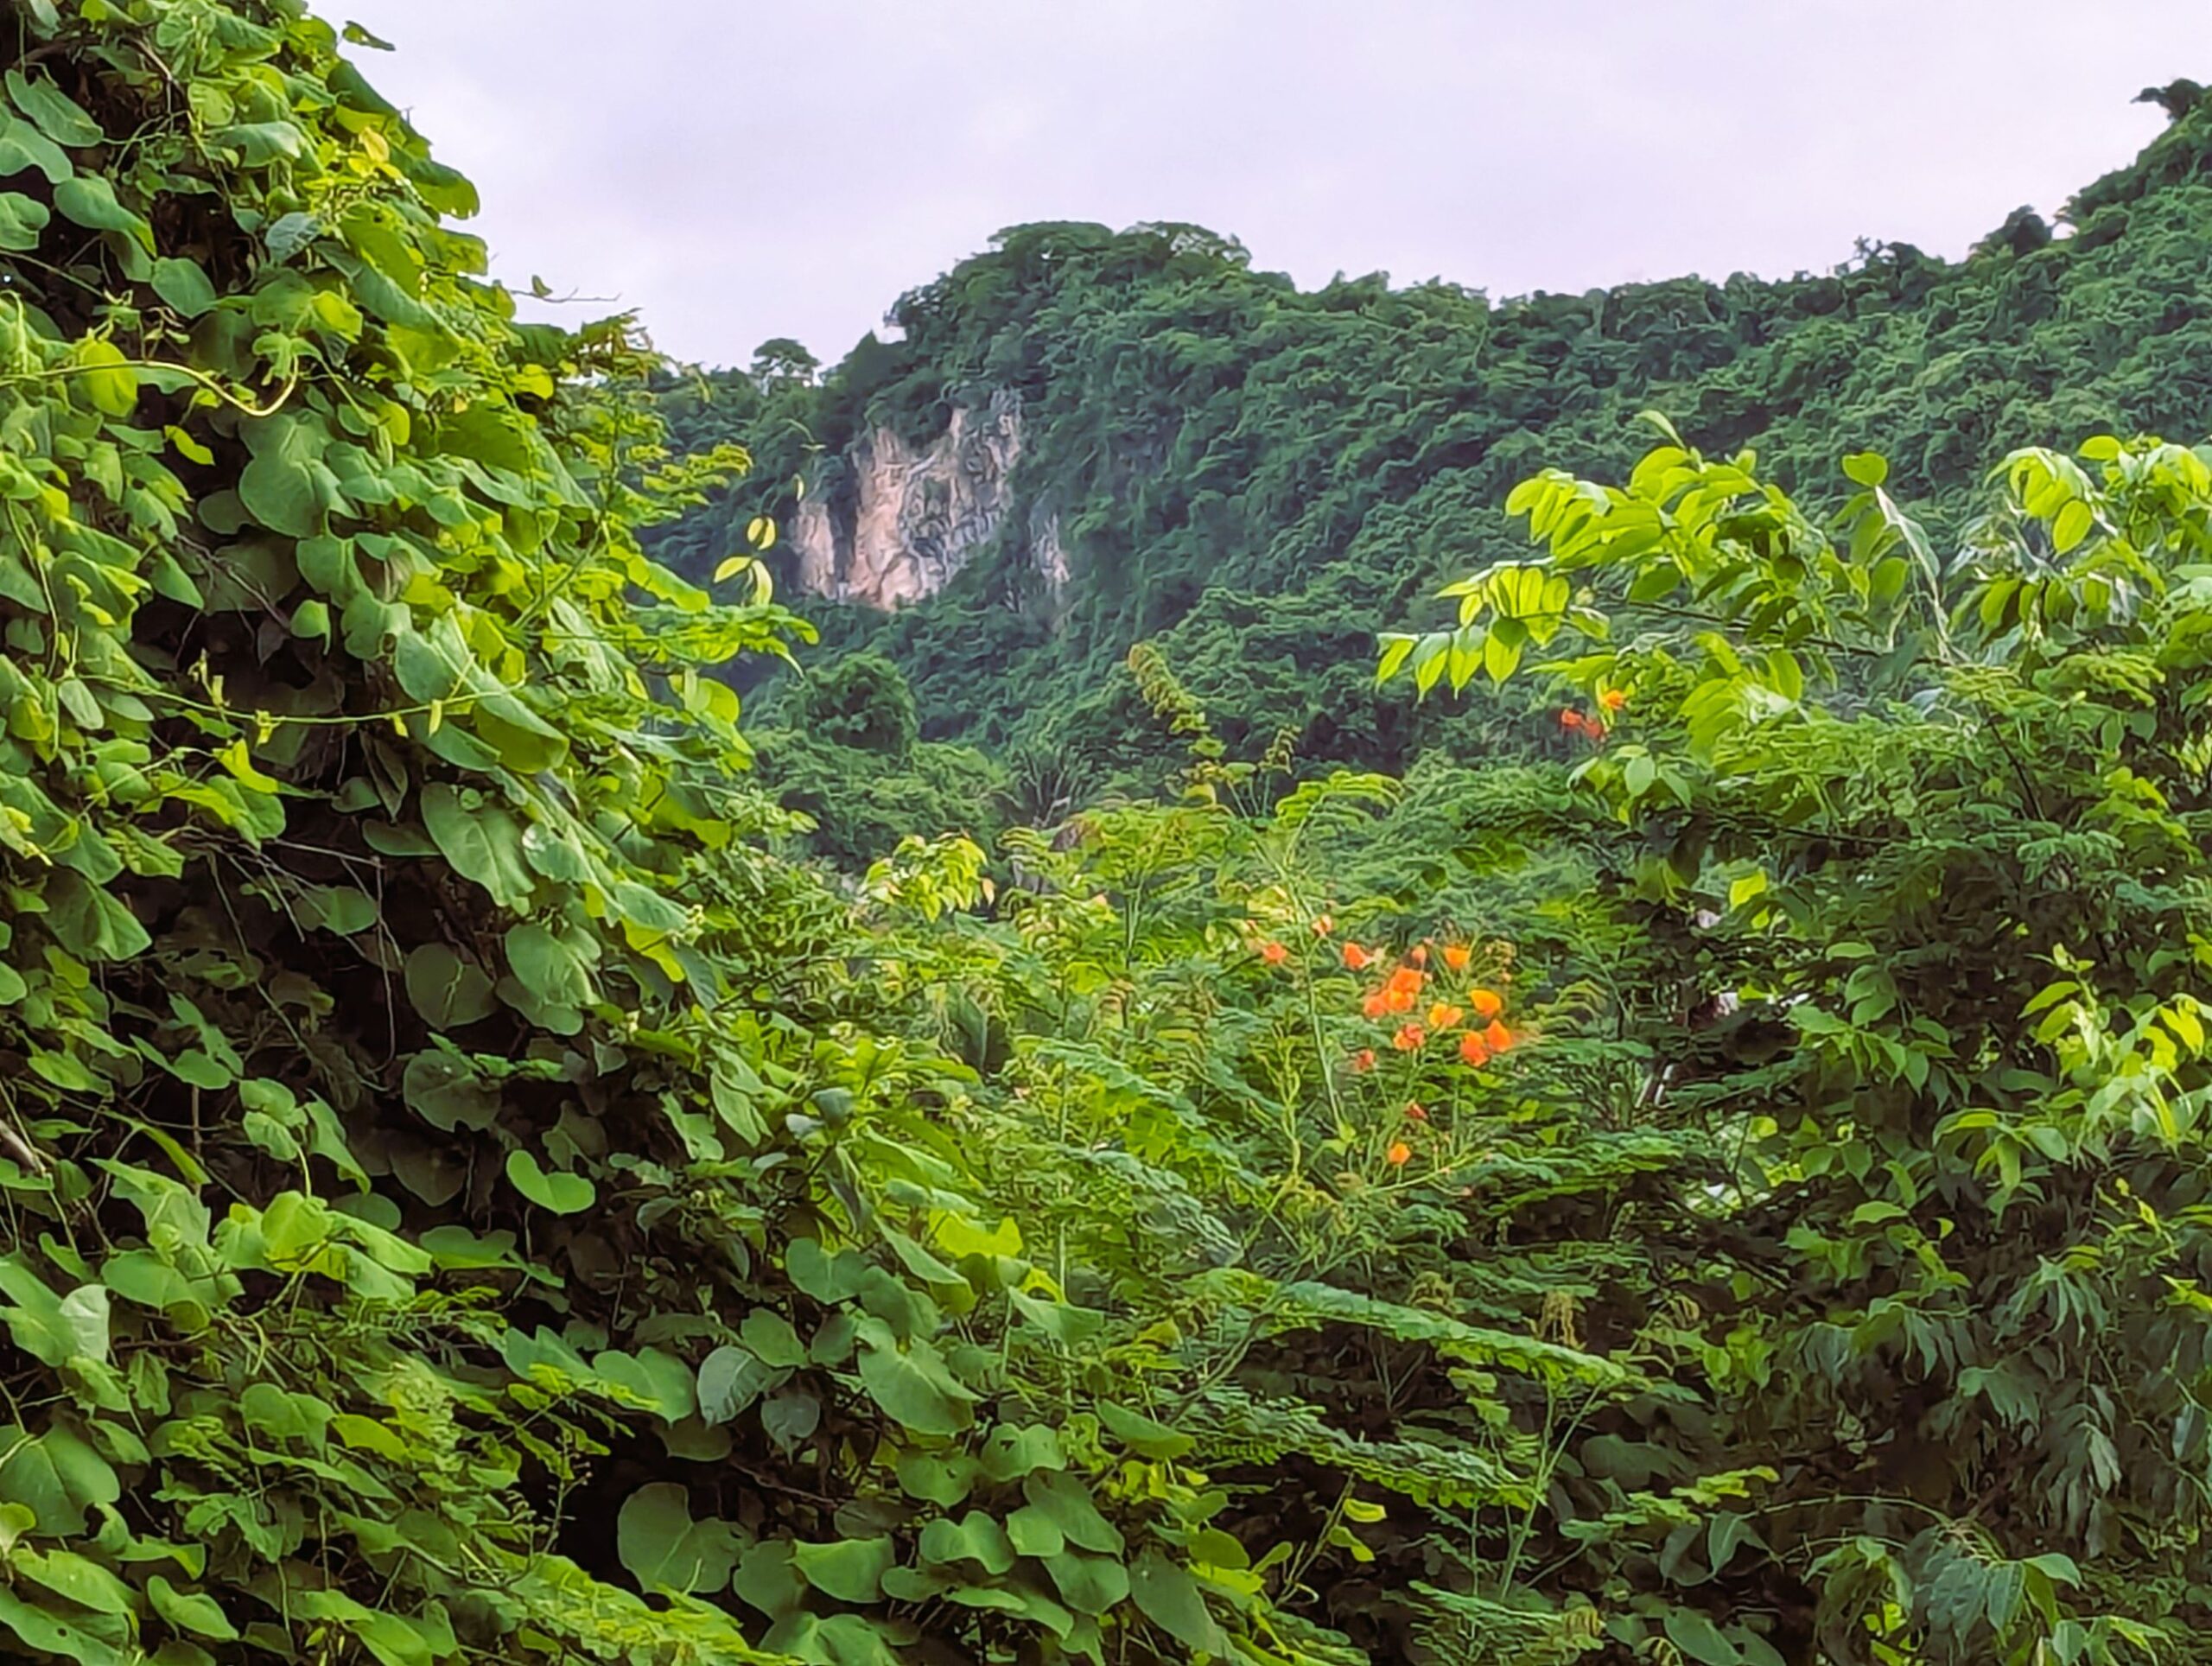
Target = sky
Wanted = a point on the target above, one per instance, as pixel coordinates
(738, 169)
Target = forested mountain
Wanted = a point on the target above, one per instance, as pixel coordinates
(1248, 475)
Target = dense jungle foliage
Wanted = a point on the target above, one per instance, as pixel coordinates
(465, 1195)
(1250, 476)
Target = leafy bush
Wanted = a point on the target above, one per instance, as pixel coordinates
(1935, 830)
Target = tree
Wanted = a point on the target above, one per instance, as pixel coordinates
(1937, 837)
(2175, 97)
(863, 701)
(780, 361)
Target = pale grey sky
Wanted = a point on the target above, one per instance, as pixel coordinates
(736, 169)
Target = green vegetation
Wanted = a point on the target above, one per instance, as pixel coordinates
(1250, 476)
(850, 761)
(1727, 1186)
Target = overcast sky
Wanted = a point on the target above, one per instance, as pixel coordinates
(736, 169)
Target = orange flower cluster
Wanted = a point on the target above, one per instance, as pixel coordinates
(1444, 1006)
(1477, 1048)
(1593, 729)
(1589, 724)
(1399, 995)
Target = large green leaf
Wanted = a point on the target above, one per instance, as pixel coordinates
(912, 1385)
(56, 1474)
(557, 1192)
(449, 1092)
(184, 285)
(661, 1380)
(24, 147)
(1700, 1639)
(662, 1546)
(825, 1277)
(1014, 1450)
(107, 378)
(552, 974)
(80, 1579)
(732, 1378)
(481, 839)
(771, 1339)
(977, 1538)
(58, 116)
(50, 1327)
(1142, 1433)
(21, 219)
(1088, 1585)
(791, 1417)
(447, 991)
(61, 1634)
(285, 485)
(851, 1570)
(1170, 1599)
(1066, 1503)
(192, 1612)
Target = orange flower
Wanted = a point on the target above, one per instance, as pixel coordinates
(1417, 1111)
(1408, 1037)
(1441, 1017)
(1357, 958)
(1399, 1154)
(1486, 1003)
(1398, 1001)
(1613, 699)
(1473, 1049)
(1375, 1005)
(1420, 955)
(1323, 925)
(1456, 956)
(1363, 1060)
(1498, 1036)
(1274, 953)
(1406, 980)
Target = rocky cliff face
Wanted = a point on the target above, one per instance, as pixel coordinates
(908, 520)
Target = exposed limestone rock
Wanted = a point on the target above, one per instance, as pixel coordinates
(911, 520)
(1046, 552)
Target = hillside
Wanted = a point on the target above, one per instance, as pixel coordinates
(1085, 439)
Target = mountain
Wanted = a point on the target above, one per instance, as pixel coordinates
(1085, 439)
